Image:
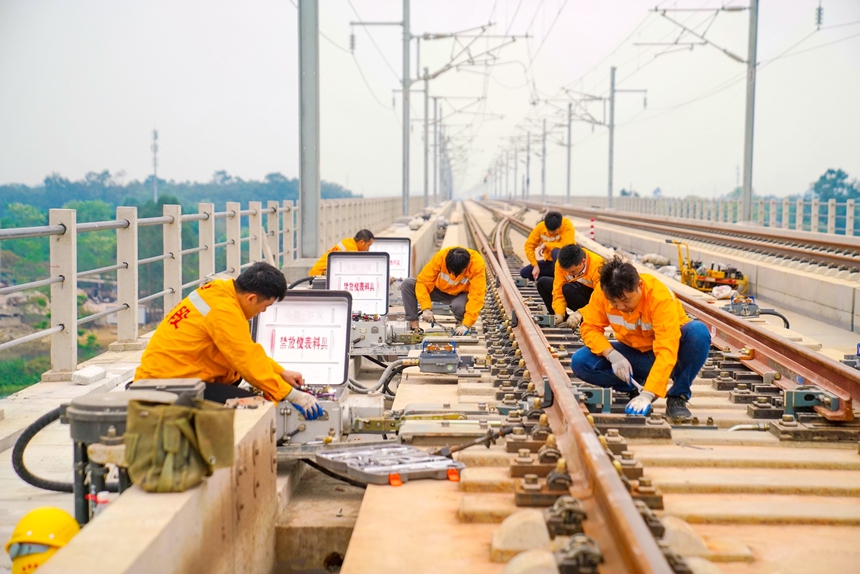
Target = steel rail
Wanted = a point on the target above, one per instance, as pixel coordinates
(784, 244)
(796, 365)
(614, 522)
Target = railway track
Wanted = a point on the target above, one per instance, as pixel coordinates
(838, 252)
(763, 463)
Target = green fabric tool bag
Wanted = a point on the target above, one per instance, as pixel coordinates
(170, 448)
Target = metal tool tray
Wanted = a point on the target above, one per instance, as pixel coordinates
(375, 464)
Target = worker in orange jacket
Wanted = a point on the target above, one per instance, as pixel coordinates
(455, 276)
(207, 336)
(543, 243)
(655, 341)
(577, 273)
(361, 242)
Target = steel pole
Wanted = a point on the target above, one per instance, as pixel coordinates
(528, 162)
(406, 83)
(569, 144)
(435, 146)
(750, 112)
(309, 126)
(516, 165)
(543, 164)
(611, 131)
(426, 137)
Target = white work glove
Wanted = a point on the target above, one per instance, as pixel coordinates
(427, 316)
(306, 403)
(536, 272)
(559, 319)
(461, 330)
(640, 405)
(620, 366)
(573, 320)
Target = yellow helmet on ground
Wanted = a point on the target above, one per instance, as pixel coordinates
(38, 536)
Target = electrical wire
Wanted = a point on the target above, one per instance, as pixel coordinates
(375, 45)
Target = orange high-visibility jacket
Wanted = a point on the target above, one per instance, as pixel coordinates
(590, 278)
(320, 266)
(207, 336)
(564, 235)
(655, 325)
(436, 275)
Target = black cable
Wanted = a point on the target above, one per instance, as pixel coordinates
(295, 284)
(18, 457)
(775, 313)
(375, 360)
(324, 470)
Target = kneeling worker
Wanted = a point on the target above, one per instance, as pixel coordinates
(656, 340)
(361, 242)
(207, 337)
(455, 276)
(577, 272)
(548, 236)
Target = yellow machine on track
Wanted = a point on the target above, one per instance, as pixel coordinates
(696, 275)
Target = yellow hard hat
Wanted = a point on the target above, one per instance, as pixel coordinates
(37, 536)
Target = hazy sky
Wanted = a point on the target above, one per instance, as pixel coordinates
(83, 84)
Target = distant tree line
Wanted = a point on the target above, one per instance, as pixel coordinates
(57, 191)
(96, 197)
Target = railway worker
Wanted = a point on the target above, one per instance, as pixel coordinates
(206, 336)
(655, 341)
(361, 242)
(543, 243)
(455, 276)
(577, 272)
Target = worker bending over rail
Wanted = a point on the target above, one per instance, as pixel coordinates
(543, 243)
(361, 242)
(577, 272)
(207, 337)
(656, 341)
(455, 276)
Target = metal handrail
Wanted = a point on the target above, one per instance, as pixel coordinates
(38, 231)
(100, 314)
(31, 337)
(103, 269)
(30, 285)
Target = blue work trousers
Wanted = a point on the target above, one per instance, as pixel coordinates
(692, 354)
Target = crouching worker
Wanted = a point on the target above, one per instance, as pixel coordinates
(543, 243)
(656, 341)
(455, 276)
(577, 272)
(207, 337)
(361, 242)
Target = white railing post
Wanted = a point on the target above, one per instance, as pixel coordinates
(771, 216)
(127, 277)
(760, 214)
(288, 232)
(813, 217)
(831, 216)
(273, 231)
(64, 297)
(172, 241)
(798, 215)
(786, 212)
(298, 229)
(255, 231)
(849, 218)
(206, 238)
(234, 238)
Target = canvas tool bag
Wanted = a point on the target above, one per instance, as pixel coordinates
(170, 448)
